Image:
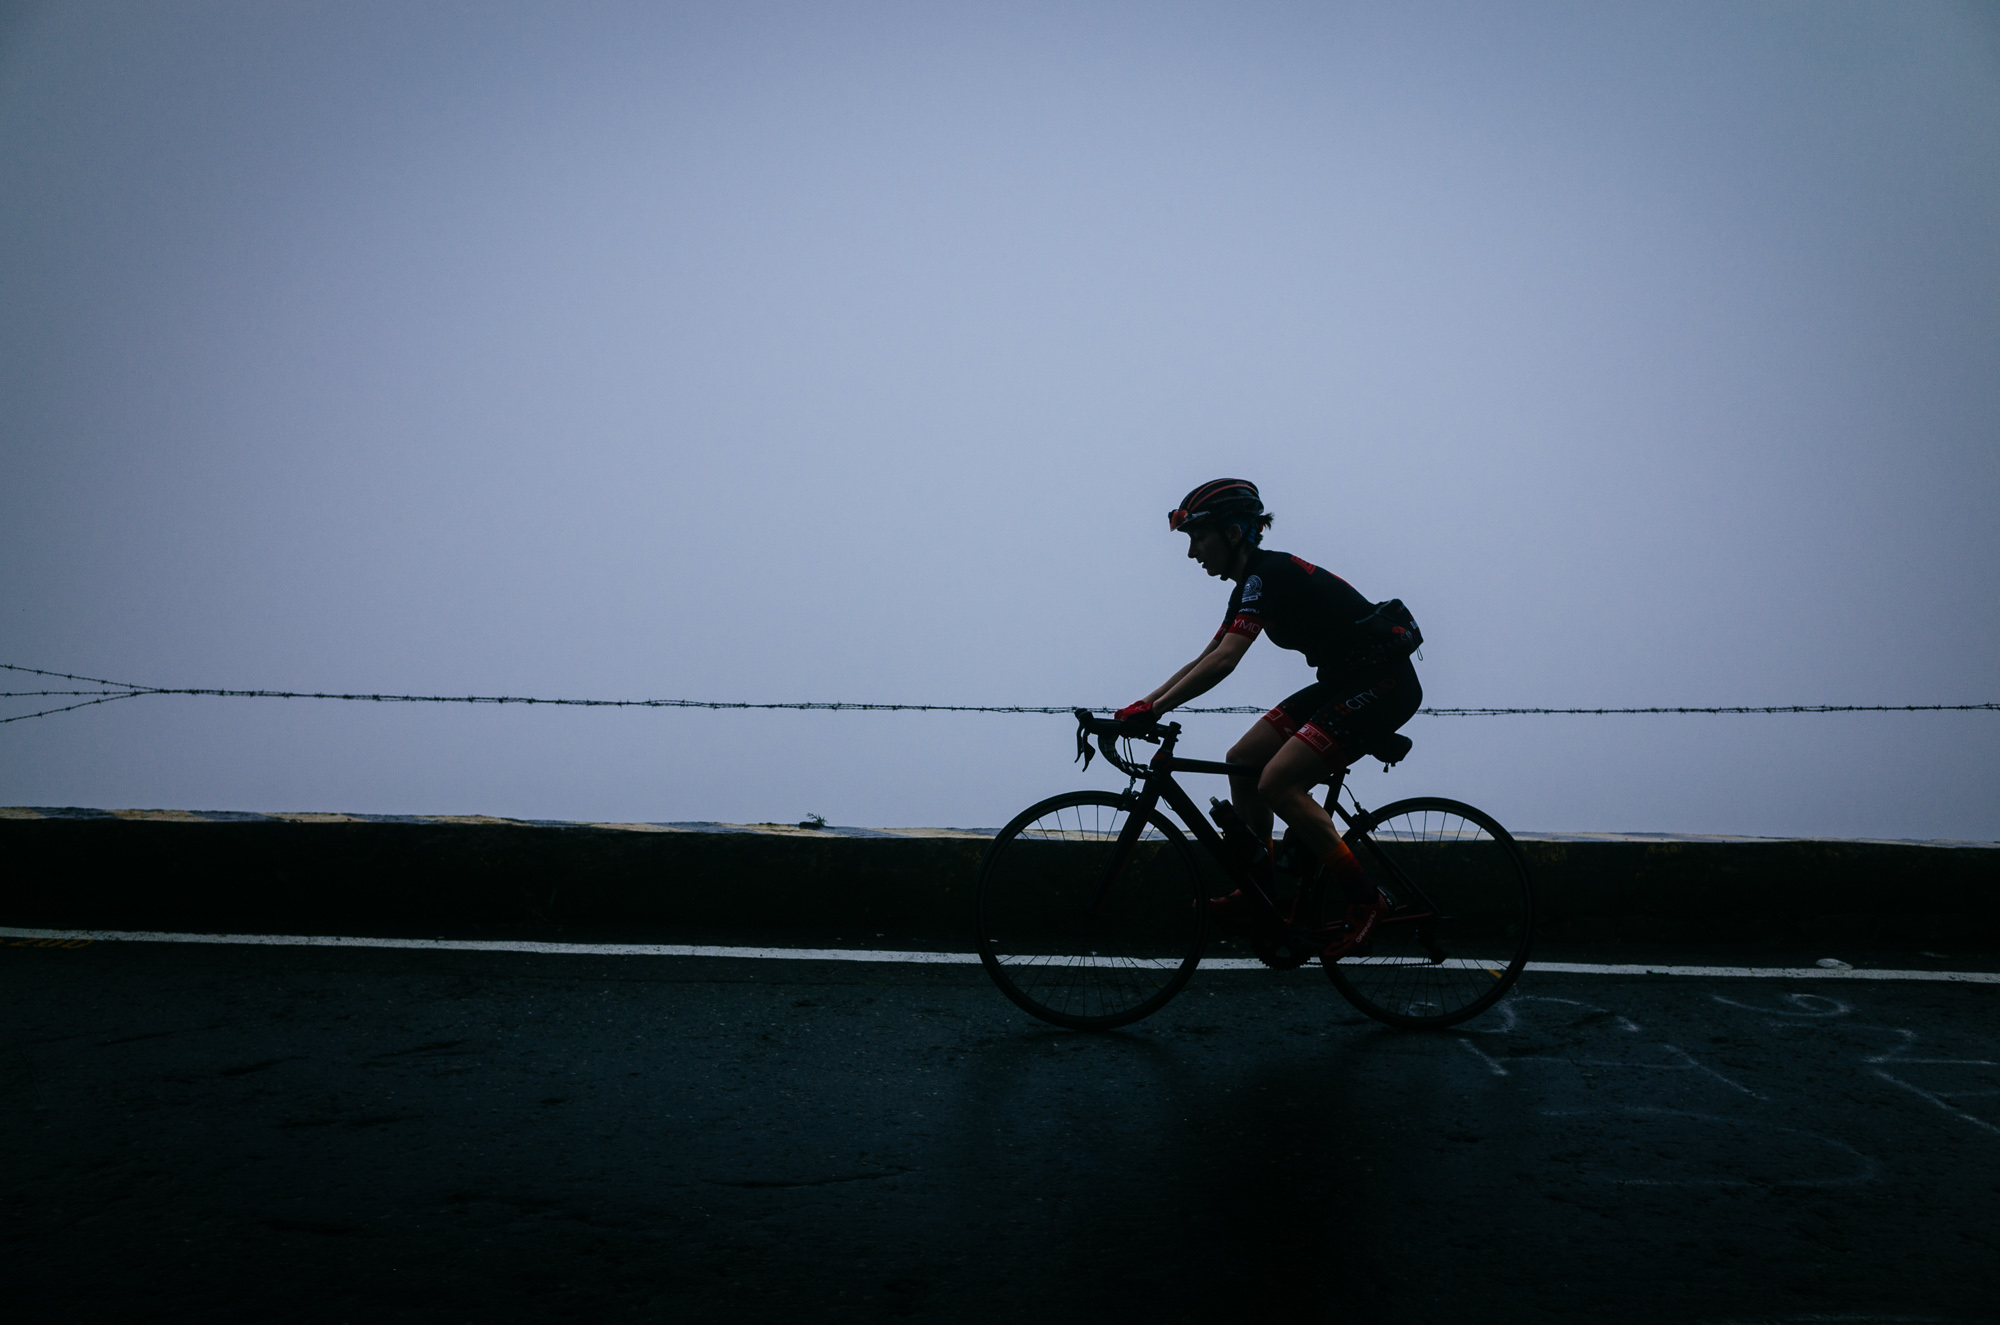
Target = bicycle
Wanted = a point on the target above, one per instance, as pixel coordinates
(1092, 910)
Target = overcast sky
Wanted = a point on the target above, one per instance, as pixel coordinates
(855, 351)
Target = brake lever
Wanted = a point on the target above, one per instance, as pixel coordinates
(1084, 750)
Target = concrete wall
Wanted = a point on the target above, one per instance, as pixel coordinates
(473, 878)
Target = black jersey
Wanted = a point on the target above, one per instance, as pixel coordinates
(1302, 607)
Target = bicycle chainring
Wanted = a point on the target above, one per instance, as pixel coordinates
(1281, 951)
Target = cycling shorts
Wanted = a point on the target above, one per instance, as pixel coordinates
(1343, 716)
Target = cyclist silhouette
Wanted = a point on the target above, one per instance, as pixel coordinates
(1363, 692)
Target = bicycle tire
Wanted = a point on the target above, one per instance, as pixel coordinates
(1038, 938)
(1463, 921)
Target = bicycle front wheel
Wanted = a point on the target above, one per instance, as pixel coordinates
(1078, 934)
(1463, 914)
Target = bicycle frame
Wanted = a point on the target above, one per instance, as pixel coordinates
(1092, 908)
(1156, 781)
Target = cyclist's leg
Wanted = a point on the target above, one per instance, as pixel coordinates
(1354, 711)
(1264, 739)
(1286, 787)
(1254, 749)
(1351, 904)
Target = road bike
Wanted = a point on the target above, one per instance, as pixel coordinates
(1092, 907)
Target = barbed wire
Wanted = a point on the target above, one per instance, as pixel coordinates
(130, 690)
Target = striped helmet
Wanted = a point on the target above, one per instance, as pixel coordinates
(1216, 499)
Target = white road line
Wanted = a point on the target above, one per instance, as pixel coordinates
(1769, 972)
(499, 945)
(902, 955)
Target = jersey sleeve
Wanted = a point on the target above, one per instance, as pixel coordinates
(1246, 610)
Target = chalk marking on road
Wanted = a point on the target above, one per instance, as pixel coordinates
(1510, 1021)
(1921, 1093)
(905, 955)
(1700, 1066)
(1510, 1014)
(1897, 1057)
(1867, 1172)
(1804, 1005)
(1492, 1063)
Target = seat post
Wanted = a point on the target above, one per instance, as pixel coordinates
(1333, 781)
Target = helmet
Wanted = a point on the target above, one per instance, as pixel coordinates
(1217, 499)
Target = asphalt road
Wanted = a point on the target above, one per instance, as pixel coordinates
(261, 1134)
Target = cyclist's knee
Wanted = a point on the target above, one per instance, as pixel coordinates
(1248, 751)
(1277, 784)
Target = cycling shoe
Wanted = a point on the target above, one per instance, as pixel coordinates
(1351, 938)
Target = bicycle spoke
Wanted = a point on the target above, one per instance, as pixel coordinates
(1072, 942)
(1463, 922)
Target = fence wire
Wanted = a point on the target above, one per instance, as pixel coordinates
(110, 690)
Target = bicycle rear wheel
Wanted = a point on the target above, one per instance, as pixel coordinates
(1073, 934)
(1463, 917)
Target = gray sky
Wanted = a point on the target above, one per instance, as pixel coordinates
(856, 351)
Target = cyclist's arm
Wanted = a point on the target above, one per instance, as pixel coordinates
(1218, 660)
(1206, 649)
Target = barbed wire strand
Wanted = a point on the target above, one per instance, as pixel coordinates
(129, 690)
(23, 717)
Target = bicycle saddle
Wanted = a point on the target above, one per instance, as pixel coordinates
(1390, 749)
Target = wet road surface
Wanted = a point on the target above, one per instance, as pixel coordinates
(354, 1135)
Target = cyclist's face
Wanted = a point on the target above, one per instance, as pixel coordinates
(1212, 548)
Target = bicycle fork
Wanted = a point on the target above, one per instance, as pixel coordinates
(1128, 841)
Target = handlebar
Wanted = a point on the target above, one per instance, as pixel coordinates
(1109, 730)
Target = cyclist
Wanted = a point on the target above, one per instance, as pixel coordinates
(1363, 692)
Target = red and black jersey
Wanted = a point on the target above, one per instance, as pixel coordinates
(1302, 607)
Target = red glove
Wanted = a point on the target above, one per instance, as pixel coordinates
(1134, 712)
